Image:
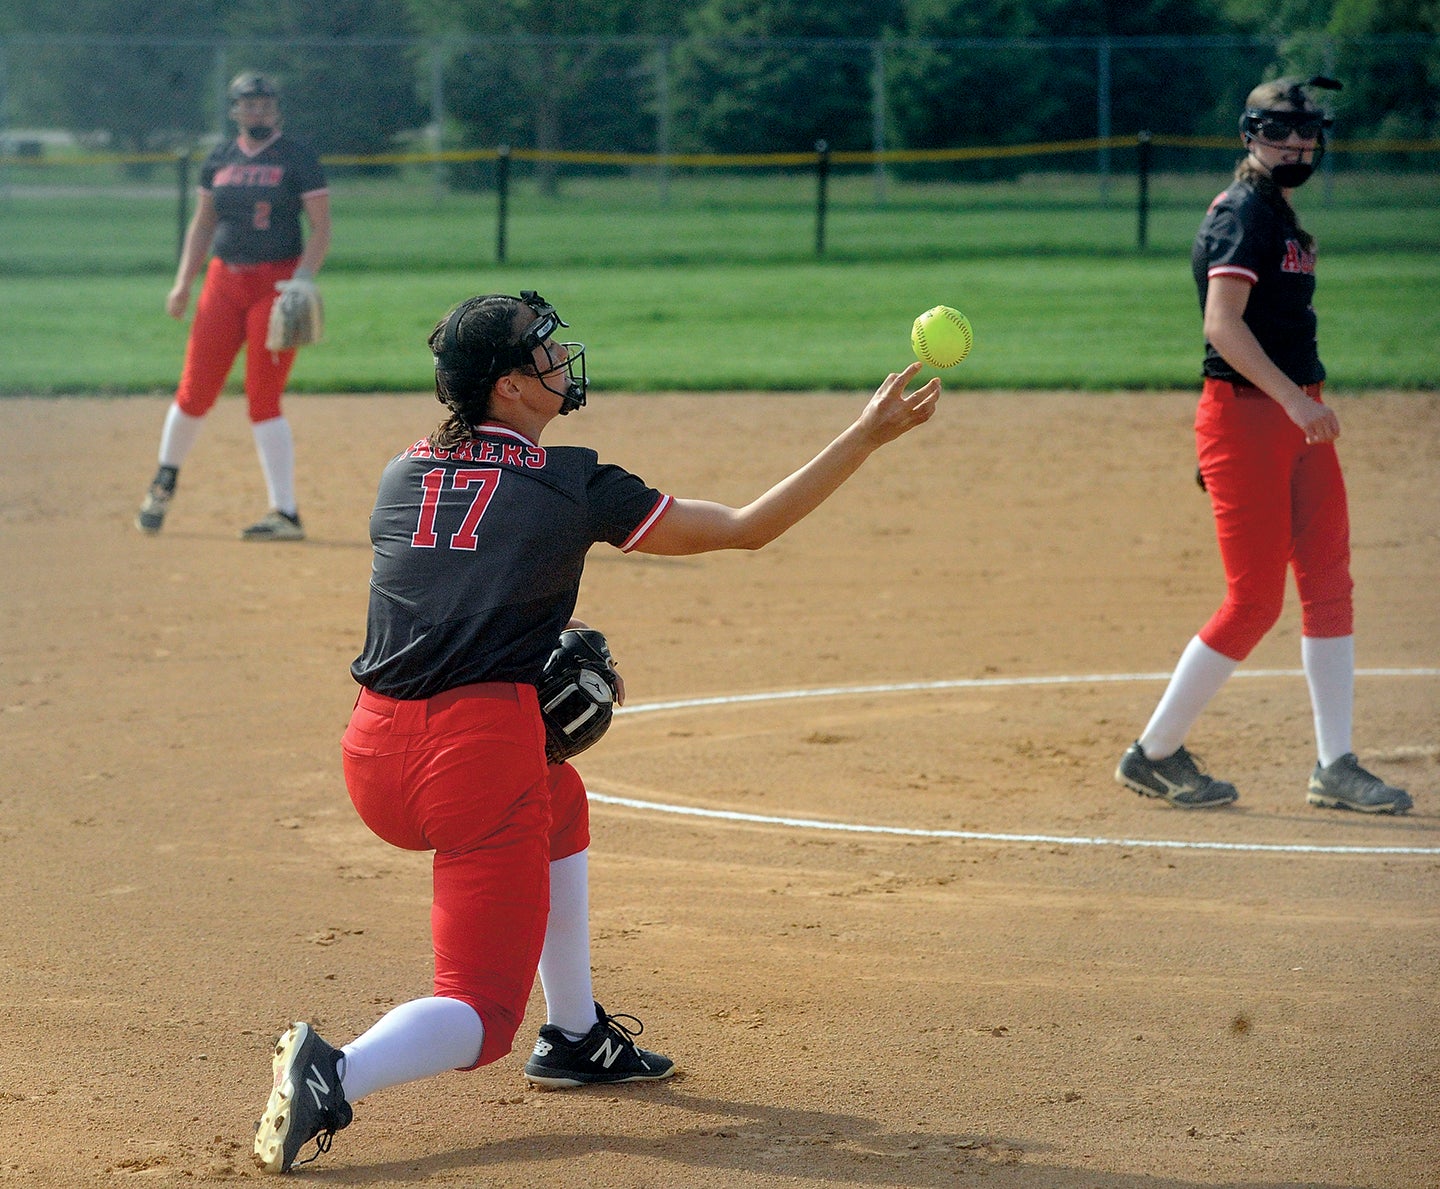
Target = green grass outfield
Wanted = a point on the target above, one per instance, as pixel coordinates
(720, 287)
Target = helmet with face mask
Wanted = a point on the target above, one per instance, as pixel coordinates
(251, 85)
(477, 344)
(1274, 110)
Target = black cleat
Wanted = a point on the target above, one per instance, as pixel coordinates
(306, 1102)
(1346, 785)
(1176, 779)
(603, 1056)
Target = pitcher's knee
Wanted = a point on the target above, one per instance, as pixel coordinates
(1237, 628)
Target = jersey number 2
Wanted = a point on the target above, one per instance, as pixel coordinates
(485, 481)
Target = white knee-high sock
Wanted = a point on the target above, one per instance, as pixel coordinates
(178, 436)
(276, 447)
(1330, 673)
(415, 1040)
(1198, 676)
(565, 960)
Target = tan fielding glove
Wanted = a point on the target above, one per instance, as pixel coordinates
(297, 318)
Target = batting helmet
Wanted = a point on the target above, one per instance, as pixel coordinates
(577, 693)
(249, 84)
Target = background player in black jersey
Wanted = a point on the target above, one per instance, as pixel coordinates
(1265, 440)
(253, 191)
(480, 535)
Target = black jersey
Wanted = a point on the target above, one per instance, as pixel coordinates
(1242, 235)
(259, 198)
(478, 556)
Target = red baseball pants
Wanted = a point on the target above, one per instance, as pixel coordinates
(233, 312)
(1278, 504)
(464, 774)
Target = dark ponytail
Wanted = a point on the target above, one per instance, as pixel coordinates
(471, 349)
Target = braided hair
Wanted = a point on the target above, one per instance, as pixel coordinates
(474, 345)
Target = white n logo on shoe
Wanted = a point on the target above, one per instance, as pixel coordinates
(607, 1053)
(317, 1085)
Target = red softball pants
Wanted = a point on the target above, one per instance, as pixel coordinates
(1279, 504)
(233, 312)
(464, 774)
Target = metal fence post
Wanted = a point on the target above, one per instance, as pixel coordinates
(822, 177)
(438, 175)
(878, 116)
(664, 116)
(182, 211)
(1102, 121)
(1142, 158)
(502, 199)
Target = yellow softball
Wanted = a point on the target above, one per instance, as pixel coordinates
(941, 337)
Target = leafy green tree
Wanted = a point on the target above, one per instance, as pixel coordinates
(548, 75)
(347, 68)
(737, 93)
(142, 90)
(1386, 52)
(1041, 87)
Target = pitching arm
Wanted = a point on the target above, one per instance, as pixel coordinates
(702, 526)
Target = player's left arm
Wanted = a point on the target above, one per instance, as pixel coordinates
(1227, 331)
(317, 244)
(702, 526)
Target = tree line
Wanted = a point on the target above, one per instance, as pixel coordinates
(724, 76)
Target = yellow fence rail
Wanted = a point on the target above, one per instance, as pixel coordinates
(736, 160)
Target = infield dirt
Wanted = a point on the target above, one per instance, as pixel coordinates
(1049, 984)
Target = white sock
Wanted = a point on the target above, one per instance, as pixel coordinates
(178, 436)
(276, 447)
(415, 1040)
(1330, 672)
(565, 960)
(1198, 676)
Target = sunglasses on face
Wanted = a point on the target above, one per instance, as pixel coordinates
(1277, 128)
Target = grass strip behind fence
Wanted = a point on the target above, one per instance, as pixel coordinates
(721, 289)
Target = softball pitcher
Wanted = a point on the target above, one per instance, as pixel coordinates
(1266, 445)
(253, 191)
(480, 535)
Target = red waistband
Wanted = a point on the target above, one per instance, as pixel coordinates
(502, 690)
(260, 265)
(1225, 388)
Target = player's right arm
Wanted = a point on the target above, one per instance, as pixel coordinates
(1226, 330)
(198, 238)
(702, 526)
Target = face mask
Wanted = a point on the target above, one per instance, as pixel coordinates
(1292, 174)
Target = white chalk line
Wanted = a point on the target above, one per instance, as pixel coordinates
(979, 835)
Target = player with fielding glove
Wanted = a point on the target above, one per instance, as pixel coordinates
(258, 294)
(297, 317)
(480, 536)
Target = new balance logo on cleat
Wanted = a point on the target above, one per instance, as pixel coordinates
(292, 1118)
(605, 1055)
(608, 1053)
(317, 1085)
